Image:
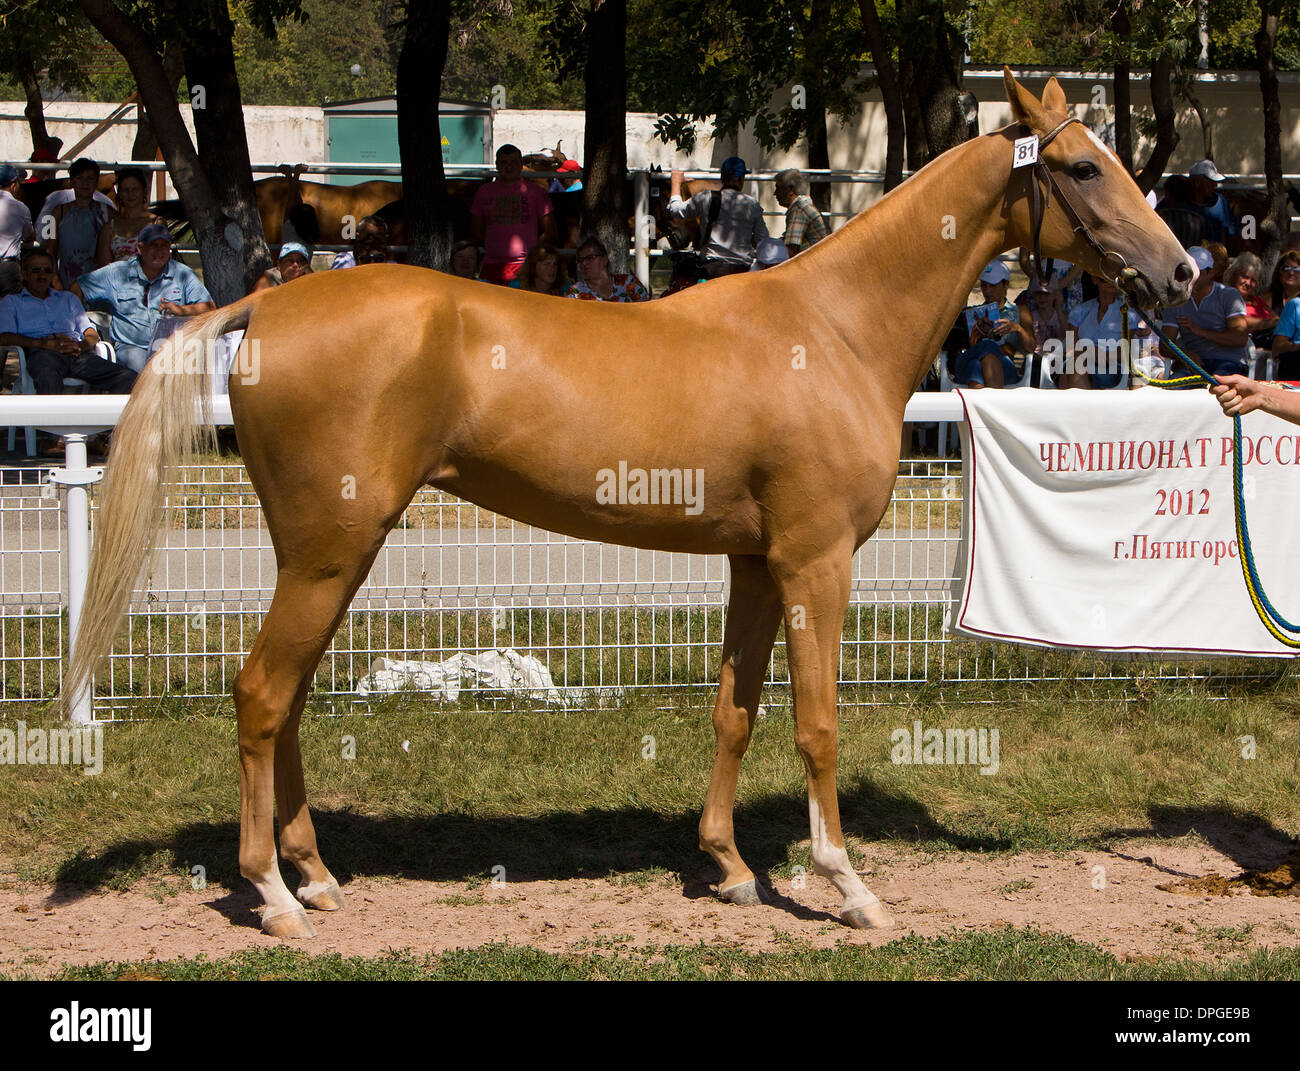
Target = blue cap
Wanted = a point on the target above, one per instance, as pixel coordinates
(152, 232)
(294, 247)
(10, 174)
(734, 167)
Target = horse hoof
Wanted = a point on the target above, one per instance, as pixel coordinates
(867, 917)
(291, 923)
(322, 896)
(745, 894)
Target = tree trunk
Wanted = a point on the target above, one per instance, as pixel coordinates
(1272, 237)
(419, 136)
(936, 75)
(35, 112)
(235, 261)
(605, 150)
(819, 153)
(918, 149)
(890, 90)
(1167, 138)
(1207, 129)
(223, 264)
(145, 146)
(1122, 27)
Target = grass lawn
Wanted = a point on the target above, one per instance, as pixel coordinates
(415, 790)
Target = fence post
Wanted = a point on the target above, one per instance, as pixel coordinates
(641, 214)
(77, 479)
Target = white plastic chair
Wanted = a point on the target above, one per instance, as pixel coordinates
(25, 385)
(946, 383)
(1256, 355)
(1045, 377)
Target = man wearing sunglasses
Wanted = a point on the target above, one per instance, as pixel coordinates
(141, 291)
(57, 335)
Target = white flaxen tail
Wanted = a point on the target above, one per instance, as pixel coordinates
(167, 418)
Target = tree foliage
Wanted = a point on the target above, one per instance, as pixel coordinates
(52, 36)
(739, 61)
(309, 59)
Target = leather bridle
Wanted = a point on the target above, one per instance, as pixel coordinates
(1040, 200)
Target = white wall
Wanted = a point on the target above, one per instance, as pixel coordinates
(289, 135)
(297, 135)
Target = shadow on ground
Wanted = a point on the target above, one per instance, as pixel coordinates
(602, 842)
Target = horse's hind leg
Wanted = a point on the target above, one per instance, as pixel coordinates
(297, 834)
(269, 695)
(753, 615)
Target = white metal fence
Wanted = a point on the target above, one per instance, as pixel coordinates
(608, 621)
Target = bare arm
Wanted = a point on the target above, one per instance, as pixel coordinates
(1260, 323)
(1235, 333)
(173, 309)
(104, 248)
(1239, 395)
(1282, 344)
(1023, 333)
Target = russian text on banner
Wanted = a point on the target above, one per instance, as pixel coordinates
(1103, 520)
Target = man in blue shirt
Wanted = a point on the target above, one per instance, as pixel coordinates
(1210, 203)
(55, 331)
(141, 291)
(1211, 326)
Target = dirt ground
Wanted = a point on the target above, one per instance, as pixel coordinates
(1109, 899)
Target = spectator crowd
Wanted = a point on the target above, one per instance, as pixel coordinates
(1234, 315)
(86, 249)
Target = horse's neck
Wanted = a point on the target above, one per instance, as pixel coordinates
(895, 277)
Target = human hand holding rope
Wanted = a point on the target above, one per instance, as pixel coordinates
(1239, 395)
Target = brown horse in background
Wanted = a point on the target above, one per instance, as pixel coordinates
(769, 403)
(335, 206)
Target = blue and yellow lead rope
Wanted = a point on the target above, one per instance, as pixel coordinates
(1268, 613)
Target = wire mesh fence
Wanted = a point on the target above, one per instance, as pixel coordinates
(606, 622)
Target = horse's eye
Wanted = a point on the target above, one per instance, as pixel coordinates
(1086, 170)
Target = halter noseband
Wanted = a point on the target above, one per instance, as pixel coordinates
(1040, 201)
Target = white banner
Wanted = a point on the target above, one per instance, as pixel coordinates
(1103, 520)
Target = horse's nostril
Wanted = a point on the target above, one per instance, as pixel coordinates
(1183, 273)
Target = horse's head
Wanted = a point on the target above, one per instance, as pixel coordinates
(1088, 209)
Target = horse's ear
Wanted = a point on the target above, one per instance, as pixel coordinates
(1025, 107)
(1054, 96)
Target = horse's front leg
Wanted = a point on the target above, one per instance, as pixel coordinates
(815, 594)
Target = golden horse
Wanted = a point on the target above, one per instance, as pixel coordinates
(782, 391)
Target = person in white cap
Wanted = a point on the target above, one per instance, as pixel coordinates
(1211, 325)
(1210, 203)
(981, 343)
(770, 253)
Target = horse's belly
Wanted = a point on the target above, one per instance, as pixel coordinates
(656, 509)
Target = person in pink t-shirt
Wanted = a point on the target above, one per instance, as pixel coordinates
(509, 217)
